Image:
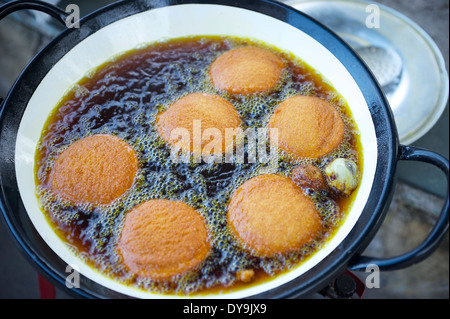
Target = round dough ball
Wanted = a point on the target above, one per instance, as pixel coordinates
(246, 70)
(307, 126)
(201, 115)
(97, 170)
(270, 215)
(161, 239)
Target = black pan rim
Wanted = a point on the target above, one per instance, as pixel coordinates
(15, 104)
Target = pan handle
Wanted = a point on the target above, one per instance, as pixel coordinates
(13, 6)
(432, 241)
(42, 6)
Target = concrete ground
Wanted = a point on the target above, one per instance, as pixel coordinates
(417, 200)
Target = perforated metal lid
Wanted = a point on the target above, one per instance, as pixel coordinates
(402, 56)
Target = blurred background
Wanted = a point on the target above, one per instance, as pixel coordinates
(418, 197)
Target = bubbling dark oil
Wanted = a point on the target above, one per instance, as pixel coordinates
(122, 97)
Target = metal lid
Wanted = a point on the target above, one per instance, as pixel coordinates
(402, 56)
